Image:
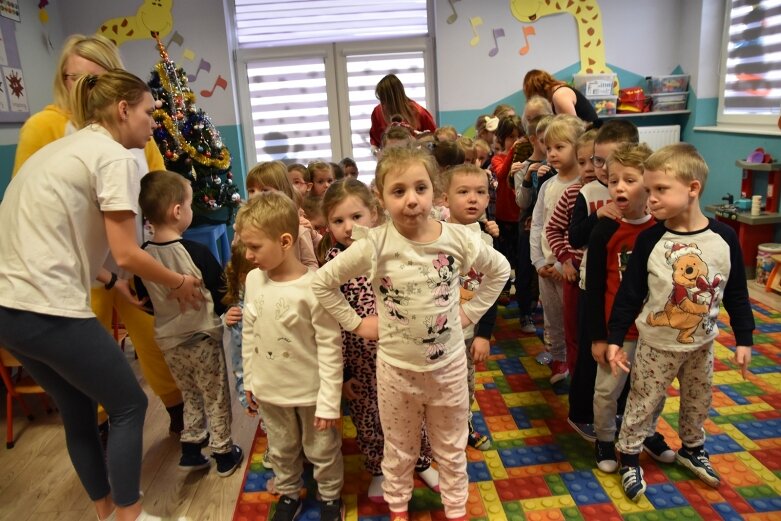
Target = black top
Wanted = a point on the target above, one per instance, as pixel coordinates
(583, 107)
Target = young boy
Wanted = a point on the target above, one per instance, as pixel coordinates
(292, 351)
(679, 273)
(592, 203)
(610, 247)
(191, 340)
(466, 195)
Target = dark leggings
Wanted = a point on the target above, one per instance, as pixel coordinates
(79, 364)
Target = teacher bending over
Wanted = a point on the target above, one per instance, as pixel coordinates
(73, 201)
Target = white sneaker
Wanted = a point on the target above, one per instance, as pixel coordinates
(375, 489)
(527, 324)
(430, 477)
(149, 517)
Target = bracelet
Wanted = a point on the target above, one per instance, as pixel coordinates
(181, 283)
(110, 284)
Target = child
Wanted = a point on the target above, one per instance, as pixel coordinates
(235, 274)
(485, 126)
(592, 203)
(347, 204)
(446, 133)
(321, 175)
(560, 139)
(466, 195)
(272, 176)
(191, 341)
(569, 257)
(349, 167)
(413, 262)
(313, 213)
(292, 358)
(297, 174)
(467, 146)
(679, 273)
(528, 179)
(610, 247)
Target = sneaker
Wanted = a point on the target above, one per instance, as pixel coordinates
(605, 454)
(176, 423)
(586, 430)
(633, 482)
(658, 449)
(430, 477)
(527, 324)
(332, 510)
(266, 461)
(477, 440)
(287, 509)
(558, 371)
(228, 462)
(697, 461)
(375, 489)
(192, 459)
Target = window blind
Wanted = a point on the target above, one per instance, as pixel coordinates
(275, 23)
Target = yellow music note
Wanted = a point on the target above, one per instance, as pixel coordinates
(527, 31)
(475, 21)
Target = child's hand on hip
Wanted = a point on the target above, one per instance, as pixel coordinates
(351, 389)
(369, 328)
(252, 404)
(481, 347)
(321, 424)
(617, 358)
(743, 359)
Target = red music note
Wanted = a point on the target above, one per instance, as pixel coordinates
(527, 31)
(453, 17)
(203, 66)
(220, 82)
(498, 33)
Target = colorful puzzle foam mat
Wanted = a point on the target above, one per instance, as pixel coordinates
(539, 469)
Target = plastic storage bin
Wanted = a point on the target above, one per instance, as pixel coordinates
(668, 102)
(765, 262)
(668, 84)
(595, 84)
(604, 105)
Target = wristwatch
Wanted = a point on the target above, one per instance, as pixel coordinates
(110, 284)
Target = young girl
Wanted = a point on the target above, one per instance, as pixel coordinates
(272, 175)
(320, 175)
(345, 204)
(560, 138)
(413, 263)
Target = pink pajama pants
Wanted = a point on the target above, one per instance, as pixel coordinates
(440, 397)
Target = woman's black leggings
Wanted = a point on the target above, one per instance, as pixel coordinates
(80, 365)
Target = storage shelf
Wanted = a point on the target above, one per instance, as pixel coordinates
(660, 113)
(758, 167)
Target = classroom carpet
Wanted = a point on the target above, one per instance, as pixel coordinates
(539, 469)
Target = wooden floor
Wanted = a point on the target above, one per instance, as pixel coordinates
(38, 482)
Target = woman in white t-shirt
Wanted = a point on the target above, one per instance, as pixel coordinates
(77, 200)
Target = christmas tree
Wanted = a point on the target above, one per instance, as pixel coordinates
(191, 145)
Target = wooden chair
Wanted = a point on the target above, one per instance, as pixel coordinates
(16, 385)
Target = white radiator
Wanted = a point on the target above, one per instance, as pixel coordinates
(657, 137)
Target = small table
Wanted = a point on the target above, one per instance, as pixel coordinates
(752, 231)
(215, 237)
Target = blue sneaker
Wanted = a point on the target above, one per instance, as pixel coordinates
(586, 430)
(697, 461)
(633, 482)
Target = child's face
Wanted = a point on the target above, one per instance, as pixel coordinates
(255, 190)
(538, 142)
(321, 180)
(350, 171)
(561, 155)
(185, 215)
(298, 181)
(585, 166)
(601, 152)
(344, 215)
(408, 196)
(510, 140)
(625, 184)
(480, 156)
(469, 156)
(668, 197)
(262, 251)
(467, 197)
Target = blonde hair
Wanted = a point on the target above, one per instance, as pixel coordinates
(682, 161)
(542, 124)
(274, 175)
(317, 166)
(466, 144)
(396, 159)
(586, 138)
(298, 167)
(536, 106)
(235, 273)
(312, 206)
(272, 213)
(630, 154)
(564, 128)
(95, 48)
(504, 110)
(94, 98)
(482, 145)
(446, 177)
(446, 133)
(160, 190)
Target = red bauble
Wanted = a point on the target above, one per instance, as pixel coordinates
(168, 154)
(208, 154)
(206, 199)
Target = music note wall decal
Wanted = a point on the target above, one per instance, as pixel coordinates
(453, 17)
(527, 31)
(475, 21)
(498, 33)
(179, 40)
(220, 82)
(203, 66)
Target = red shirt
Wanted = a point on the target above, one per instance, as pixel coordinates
(506, 208)
(425, 122)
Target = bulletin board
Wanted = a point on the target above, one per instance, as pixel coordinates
(13, 91)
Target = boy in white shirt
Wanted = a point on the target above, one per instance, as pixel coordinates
(292, 352)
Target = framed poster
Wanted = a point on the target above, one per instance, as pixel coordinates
(10, 10)
(13, 90)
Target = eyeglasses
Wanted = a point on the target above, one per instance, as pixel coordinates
(599, 162)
